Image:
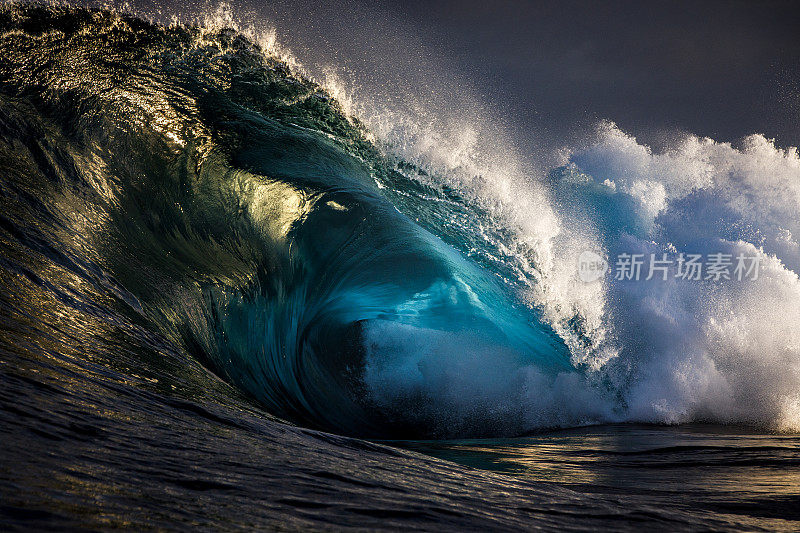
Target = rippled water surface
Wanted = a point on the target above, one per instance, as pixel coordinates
(734, 475)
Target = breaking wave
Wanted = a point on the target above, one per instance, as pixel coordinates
(359, 270)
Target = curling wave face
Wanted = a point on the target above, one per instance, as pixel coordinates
(189, 181)
(240, 212)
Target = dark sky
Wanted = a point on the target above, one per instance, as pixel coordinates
(722, 69)
(553, 69)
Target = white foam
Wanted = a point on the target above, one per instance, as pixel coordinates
(461, 385)
(726, 352)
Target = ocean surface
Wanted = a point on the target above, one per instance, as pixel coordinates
(232, 298)
(702, 477)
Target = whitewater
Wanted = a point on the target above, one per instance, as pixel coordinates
(195, 225)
